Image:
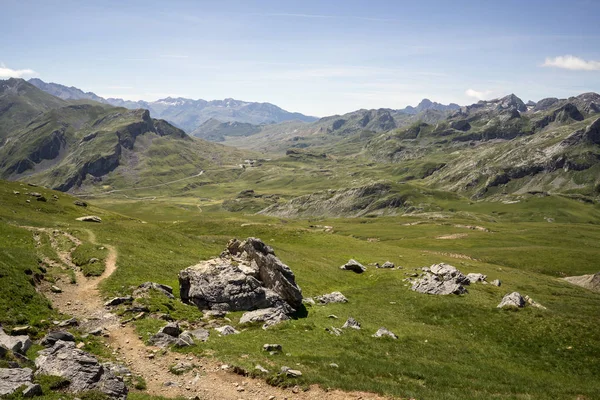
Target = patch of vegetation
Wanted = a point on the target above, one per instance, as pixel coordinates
(91, 258)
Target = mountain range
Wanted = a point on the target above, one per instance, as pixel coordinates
(187, 114)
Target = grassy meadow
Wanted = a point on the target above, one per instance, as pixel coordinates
(449, 347)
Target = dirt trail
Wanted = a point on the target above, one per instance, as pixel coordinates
(208, 379)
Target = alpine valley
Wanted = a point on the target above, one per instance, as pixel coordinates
(228, 249)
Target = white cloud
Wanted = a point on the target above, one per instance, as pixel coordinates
(6, 72)
(572, 63)
(479, 95)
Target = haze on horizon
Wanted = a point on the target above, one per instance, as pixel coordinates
(318, 58)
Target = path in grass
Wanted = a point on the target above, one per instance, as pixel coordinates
(208, 380)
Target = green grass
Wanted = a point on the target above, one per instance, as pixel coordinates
(86, 252)
(448, 347)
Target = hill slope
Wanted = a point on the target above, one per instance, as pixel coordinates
(78, 144)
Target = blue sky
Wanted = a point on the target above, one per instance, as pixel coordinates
(315, 57)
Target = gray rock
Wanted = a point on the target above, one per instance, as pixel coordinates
(171, 329)
(34, 194)
(387, 264)
(90, 218)
(208, 314)
(55, 289)
(13, 378)
(308, 301)
(181, 368)
(185, 339)
(97, 331)
(334, 331)
(93, 260)
(247, 276)
(20, 330)
(32, 391)
(272, 347)
(533, 303)
(227, 330)
(382, 332)
(81, 368)
(162, 340)
(51, 338)
(292, 373)
(334, 297)
(351, 323)
(260, 368)
(476, 277)
(42, 199)
(146, 286)
(3, 351)
(269, 316)
(513, 299)
(80, 203)
(198, 334)
(68, 322)
(118, 300)
(355, 266)
(496, 282)
(117, 369)
(16, 344)
(441, 279)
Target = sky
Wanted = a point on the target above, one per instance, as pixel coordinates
(315, 57)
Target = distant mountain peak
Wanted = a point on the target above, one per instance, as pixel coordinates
(427, 104)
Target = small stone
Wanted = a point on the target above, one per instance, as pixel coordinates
(334, 365)
(387, 264)
(513, 299)
(55, 289)
(355, 266)
(351, 323)
(260, 368)
(90, 218)
(381, 332)
(496, 282)
(272, 347)
(332, 316)
(227, 330)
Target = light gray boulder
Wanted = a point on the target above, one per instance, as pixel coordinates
(32, 390)
(198, 334)
(16, 344)
(13, 378)
(81, 368)
(90, 218)
(227, 330)
(355, 266)
(334, 297)
(387, 265)
(475, 277)
(162, 340)
(382, 332)
(496, 282)
(247, 276)
(334, 331)
(51, 338)
(118, 300)
(513, 299)
(269, 316)
(351, 323)
(441, 279)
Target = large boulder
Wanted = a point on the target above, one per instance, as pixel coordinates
(81, 368)
(441, 279)
(247, 276)
(13, 378)
(16, 344)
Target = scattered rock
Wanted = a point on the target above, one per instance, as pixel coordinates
(355, 266)
(68, 322)
(272, 347)
(51, 338)
(334, 365)
(34, 194)
(171, 329)
(15, 192)
(20, 330)
(513, 299)
(198, 334)
(292, 373)
(208, 314)
(382, 332)
(81, 368)
(332, 316)
(387, 264)
(496, 282)
(162, 340)
(476, 277)
(181, 368)
(89, 218)
(13, 378)
(146, 286)
(351, 323)
(334, 297)
(334, 331)
(93, 260)
(247, 276)
(441, 279)
(80, 203)
(270, 316)
(16, 344)
(42, 199)
(533, 303)
(118, 300)
(97, 331)
(32, 391)
(591, 282)
(117, 369)
(308, 301)
(227, 330)
(260, 368)
(185, 339)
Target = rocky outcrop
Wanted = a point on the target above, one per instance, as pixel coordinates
(248, 276)
(592, 132)
(81, 368)
(441, 279)
(13, 378)
(591, 282)
(145, 287)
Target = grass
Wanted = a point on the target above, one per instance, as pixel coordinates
(83, 257)
(458, 347)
